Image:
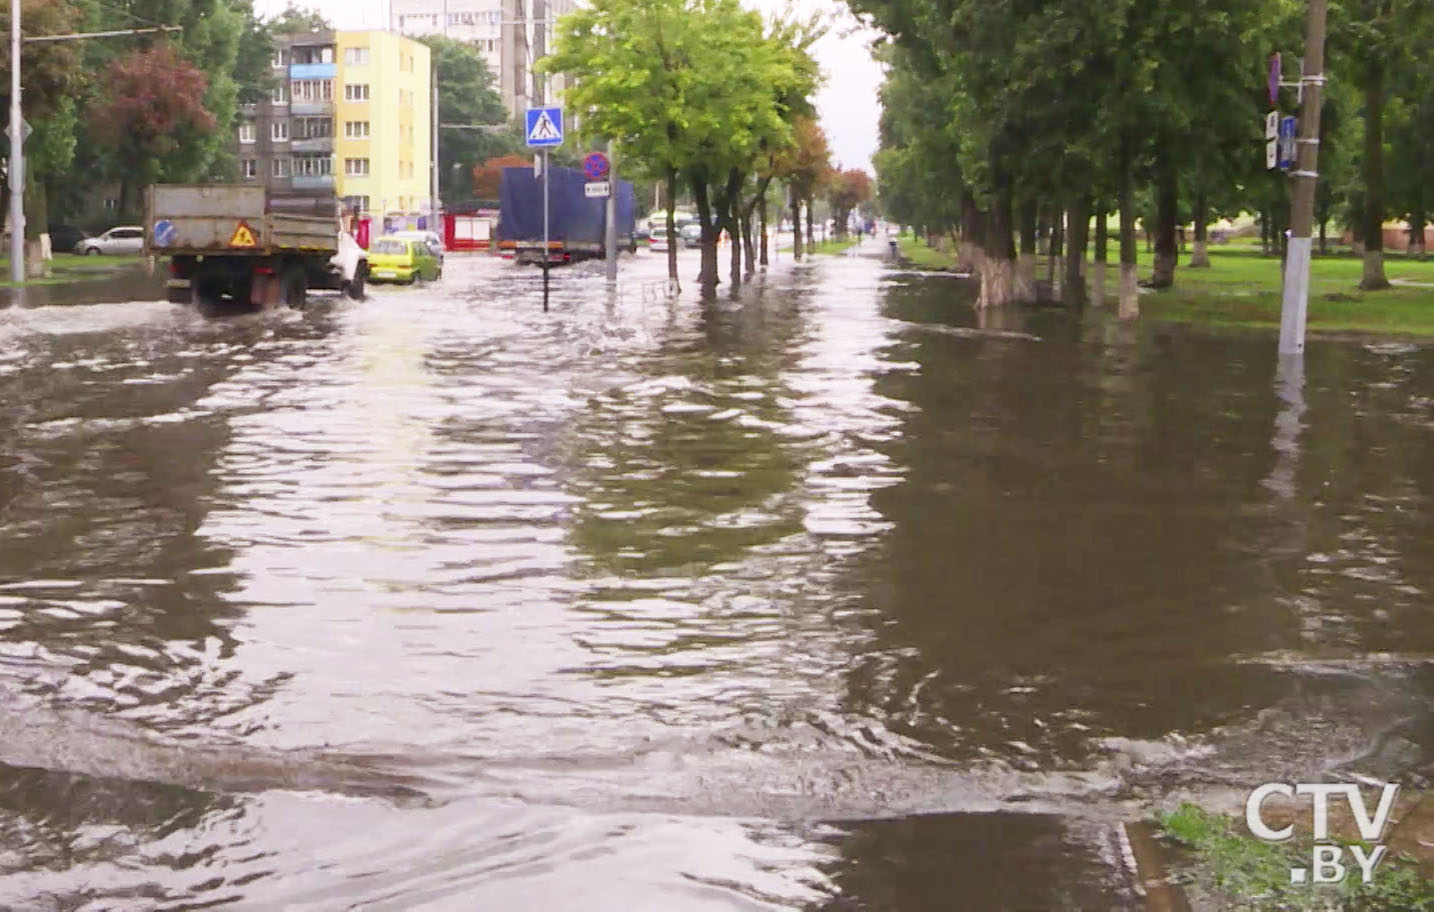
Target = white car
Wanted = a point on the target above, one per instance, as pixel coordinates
(128, 239)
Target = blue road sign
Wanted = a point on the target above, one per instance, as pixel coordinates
(544, 127)
(1287, 142)
(164, 232)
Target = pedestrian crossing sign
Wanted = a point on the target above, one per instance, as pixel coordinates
(544, 127)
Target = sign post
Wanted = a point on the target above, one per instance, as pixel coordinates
(544, 132)
(1294, 299)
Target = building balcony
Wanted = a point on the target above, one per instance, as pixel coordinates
(322, 183)
(319, 144)
(311, 108)
(312, 71)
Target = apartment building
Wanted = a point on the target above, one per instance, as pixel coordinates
(349, 116)
(510, 34)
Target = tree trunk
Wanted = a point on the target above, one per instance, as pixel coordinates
(1073, 291)
(707, 273)
(762, 225)
(796, 227)
(1200, 259)
(1058, 250)
(1374, 278)
(672, 231)
(36, 221)
(998, 265)
(1097, 269)
(1417, 221)
(1167, 217)
(809, 222)
(1129, 307)
(1026, 259)
(734, 258)
(1324, 237)
(732, 202)
(749, 245)
(1265, 232)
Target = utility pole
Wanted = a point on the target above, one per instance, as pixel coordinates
(1294, 305)
(610, 234)
(17, 154)
(433, 150)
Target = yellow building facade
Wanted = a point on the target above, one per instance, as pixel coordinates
(382, 124)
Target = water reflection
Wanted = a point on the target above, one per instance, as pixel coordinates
(781, 600)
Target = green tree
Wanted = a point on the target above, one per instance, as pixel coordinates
(466, 96)
(692, 90)
(1369, 41)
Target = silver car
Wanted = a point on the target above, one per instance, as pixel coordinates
(127, 239)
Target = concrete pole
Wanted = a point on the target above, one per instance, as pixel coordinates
(433, 150)
(610, 238)
(17, 154)
(1294, 304)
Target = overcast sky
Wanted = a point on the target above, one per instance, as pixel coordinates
(848, 102)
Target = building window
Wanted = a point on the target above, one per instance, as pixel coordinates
(356, 167)
(280, 58)
(280, 167)
(356, 129)
(313, 90)
(313, 165)
(356, 56)
(358, 204)
(279, 131)
(246, 131)
(248, 168)
(314, 55)
(313, 127)
(356, 92)
(279, 94)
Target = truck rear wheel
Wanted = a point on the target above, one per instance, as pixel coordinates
(293, 287)
(207, 287)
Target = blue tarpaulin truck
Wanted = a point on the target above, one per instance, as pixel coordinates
(575, 222)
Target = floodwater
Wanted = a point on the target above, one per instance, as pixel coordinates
(818, 597)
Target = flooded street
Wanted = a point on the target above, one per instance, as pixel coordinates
(820, 597)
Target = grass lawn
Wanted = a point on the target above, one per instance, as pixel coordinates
(1242, 289)
(922, 257)
(1244, 873)
(833, 245)
(72, 267)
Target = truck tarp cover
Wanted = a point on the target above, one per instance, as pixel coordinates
(572, 217)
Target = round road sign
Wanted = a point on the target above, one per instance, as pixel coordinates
(164, 232)
(595, 167)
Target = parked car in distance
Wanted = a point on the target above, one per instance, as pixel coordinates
(429, 238)
(127, 239)
(691, 235)
(659, 240)
(65, 238)
(401, 259)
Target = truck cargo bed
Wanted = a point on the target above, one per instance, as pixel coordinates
(231, 219)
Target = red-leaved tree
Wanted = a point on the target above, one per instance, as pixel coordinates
(155, 104)
(848, 190)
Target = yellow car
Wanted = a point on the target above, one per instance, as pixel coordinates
(396, 259)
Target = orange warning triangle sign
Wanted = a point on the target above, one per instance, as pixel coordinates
(243, 237)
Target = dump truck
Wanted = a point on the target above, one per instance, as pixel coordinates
(576, 222)
(244, 245)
